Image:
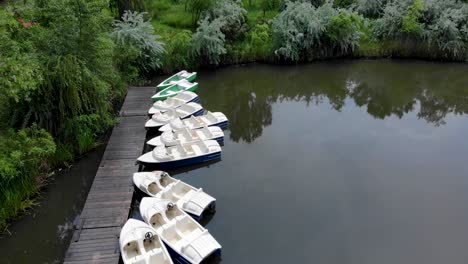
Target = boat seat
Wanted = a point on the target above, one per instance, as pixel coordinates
(197, 150)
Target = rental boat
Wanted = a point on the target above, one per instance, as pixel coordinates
(187, 241)
(185, 135)
(184, 111)
(173, 102)
(159, 184)
(182, 75)
(209, 119)
(182, 154)
(174, 89)
(139, 244)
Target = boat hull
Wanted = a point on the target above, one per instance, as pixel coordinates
(194, 100)
(156, 127)
(163, 85)
(184, 162)
(179, 259)
(164, 97)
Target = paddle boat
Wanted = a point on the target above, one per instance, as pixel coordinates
(174, 89)
(209, 119)
(182, 154)
(185, 135)
(184, 111)
(174, 102)
(139, 244)
(159, 184)
(182, 75)
(187, 241)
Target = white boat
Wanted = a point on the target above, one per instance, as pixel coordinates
(173, 102)
(182, 75)
(185, 135)
(159, 184)
(174, 89)
(161, 118)
(139, 244)
(209, 119)
(181, 233)
(182, 154)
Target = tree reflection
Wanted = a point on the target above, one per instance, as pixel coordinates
(246, 94)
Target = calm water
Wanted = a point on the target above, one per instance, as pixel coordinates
(335, 162)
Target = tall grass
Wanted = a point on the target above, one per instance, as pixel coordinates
(23, 159)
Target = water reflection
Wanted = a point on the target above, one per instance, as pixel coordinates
(383, 89)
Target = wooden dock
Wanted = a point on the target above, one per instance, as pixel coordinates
(96, 231)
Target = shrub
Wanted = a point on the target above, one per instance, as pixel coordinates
(370, 8)
(208, 42)
(449, 30)
(345, 31)
(178, 51)
(23, 157)
(197, 8)
(410, 23)
(260, 41)
(303, 31)
(232, 15)
(134, 33)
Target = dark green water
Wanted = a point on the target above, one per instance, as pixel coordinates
(346, 162)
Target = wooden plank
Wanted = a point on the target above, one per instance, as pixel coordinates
(109, 200)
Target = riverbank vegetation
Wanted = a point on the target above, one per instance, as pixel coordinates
(65, 64)
(63, 69)
(274, 31)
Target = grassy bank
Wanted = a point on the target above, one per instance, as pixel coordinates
(231, 32)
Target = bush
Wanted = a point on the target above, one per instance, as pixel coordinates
(303, 31)
(178, 52)
(23, 157)
(432, 28)
(449, 30)
(345, 31)
(208, 42)
(197, 8)
(232, 15)
(136, 34)
(370, 8)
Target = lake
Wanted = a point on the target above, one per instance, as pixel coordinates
(348, 162)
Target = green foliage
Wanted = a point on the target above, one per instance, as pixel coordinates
(449, 30)
(410, 23)
(370, 8)
(432, 28)
(208, 42)
(260, 42)
(303, 31)
(197, 8)
(345, 30)
(178, 53)
(23, 157)
(343, 3)
(232, 15)
(133, 33)
(268, 5)
(130, 5)
(19, 70)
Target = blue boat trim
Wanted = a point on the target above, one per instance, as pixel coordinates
(179, 259)
(187, 162)
(223, 125)
(195, 100)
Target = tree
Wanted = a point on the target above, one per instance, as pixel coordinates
(197, 7)
(134, 33)
(208, 41)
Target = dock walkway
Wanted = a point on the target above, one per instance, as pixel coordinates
(96, 232)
